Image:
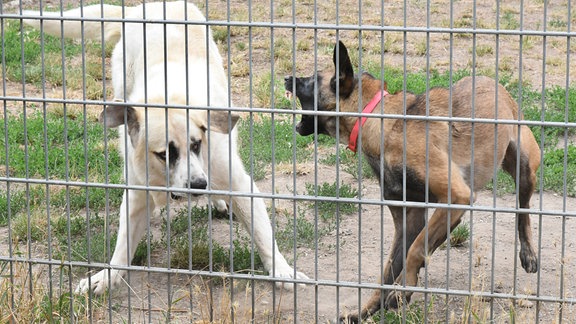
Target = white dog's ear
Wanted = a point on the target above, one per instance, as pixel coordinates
(116, 115)
(223, 121)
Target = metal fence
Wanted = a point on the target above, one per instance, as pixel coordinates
(62, 178)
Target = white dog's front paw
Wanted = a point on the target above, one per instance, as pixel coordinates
(220, 206)
(287, 271)
(99, 282)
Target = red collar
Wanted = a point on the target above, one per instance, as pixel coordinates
(360, 121)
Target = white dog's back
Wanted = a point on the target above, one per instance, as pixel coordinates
(164, 56)
(90, 26)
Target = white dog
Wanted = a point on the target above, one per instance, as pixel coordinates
(168, 64)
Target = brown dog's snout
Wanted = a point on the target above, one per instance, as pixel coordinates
(299, 127)
(288, 82)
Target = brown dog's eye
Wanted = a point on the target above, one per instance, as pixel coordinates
(161, 155)
(195, 146)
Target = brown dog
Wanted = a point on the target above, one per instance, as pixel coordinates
(451, 173)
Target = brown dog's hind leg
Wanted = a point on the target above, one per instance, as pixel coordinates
(415, 220)
(529, 162)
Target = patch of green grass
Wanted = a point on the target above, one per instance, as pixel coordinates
(509, 21)
(555, 173)
(459, 236)
(71, 237)
(555, 110)
(558, 108)
(59, 147)
(24, 49)
(76, 239)
(349, 162)
(29, 228)
(190, 244)
(421, 48)
(40, 304)
(297, 230)
(329, 210)
(16, 201)
(64, 306)
(464, 21)
(76, 245)
(528, 42)
(303, 46)
(415, 82)
(483, 50)
(414, 314)
(505, 184)
(61, 154)
(282, 50)
(260, 136)
(265, 87)
(557, 23)
(78, 198)
(220, 34)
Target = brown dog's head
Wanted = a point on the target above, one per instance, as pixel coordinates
(318, 93)
(171, 141)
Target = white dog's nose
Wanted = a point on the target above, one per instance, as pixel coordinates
(197, 183)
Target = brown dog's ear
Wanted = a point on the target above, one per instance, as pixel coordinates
(223, 121)
(116, 115)
(346, 71)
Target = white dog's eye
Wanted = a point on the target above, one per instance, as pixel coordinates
(195, 146)
(161, 155)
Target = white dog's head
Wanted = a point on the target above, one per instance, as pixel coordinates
(168, 145)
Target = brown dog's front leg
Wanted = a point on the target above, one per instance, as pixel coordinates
(417, 255)
(415, 220)
(456, 192)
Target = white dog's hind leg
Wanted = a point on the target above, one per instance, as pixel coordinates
(130, 233)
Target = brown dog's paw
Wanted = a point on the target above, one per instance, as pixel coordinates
(529, 261)
(348, 319)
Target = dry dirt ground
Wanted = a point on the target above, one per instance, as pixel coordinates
(489, 262)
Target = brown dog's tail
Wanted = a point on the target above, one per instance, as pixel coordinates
(74, 28)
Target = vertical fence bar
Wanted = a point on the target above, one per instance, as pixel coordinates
(565, 166)
(11, 270)
(544, 44)
(450, 148)
(360, 106)
(381, 178)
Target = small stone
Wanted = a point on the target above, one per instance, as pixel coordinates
(525, 303)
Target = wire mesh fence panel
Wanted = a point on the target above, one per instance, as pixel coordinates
(287, 161)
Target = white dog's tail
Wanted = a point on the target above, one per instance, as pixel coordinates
(73, 28)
